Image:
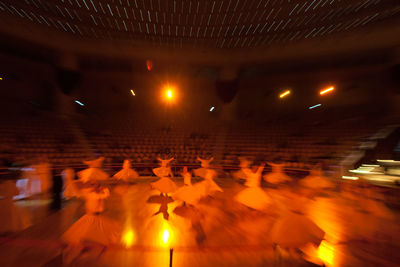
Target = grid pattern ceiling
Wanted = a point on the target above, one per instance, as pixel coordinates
(202, 23)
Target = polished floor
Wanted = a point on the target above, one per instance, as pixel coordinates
(359, 230)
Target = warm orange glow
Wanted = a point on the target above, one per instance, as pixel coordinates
(350, 177)
(165, 236)
(128, 238)
(149, 65)
(327, 90)
(133, 93)
(169, 92)
(284, 94)
(326, 253)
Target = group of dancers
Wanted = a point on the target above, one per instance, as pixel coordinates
(92, 186)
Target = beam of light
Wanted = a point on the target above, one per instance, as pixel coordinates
(326, 252)
(169, 93)
(386, 161)
(133, 93)
(78, 102)
(211, 109)
(315, 106)
(350, 177)
(327, 90)
(128, 238)
(284, 94)
(364, 172)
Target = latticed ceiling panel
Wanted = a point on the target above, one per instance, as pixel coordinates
(200, 23)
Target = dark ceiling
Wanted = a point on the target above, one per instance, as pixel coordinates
(220, 24)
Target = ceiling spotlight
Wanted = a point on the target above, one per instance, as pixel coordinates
(327, 90)
(211, 109)
(133, 93)
(78, 102)
(169, 92)
(315, 106)
(284, 94)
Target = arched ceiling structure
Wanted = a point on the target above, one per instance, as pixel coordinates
(205, 30)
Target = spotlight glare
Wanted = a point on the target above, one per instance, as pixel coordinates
(315, 106)
(1, 78)
(350, 177)
(165, 236)
(78, 102)
(169, 92)
(128, 238)
(284, 94)
(327, 90)
(211, 109)
(133, 93)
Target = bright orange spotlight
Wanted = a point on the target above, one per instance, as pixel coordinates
(128, 238)
(284, 94)
(133, 93)
(327, 90)
(165, 236)
(169, 92)
(326, 252)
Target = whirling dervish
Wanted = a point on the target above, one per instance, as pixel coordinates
(293, 229)
(188, 194)
(164, 170)
(94, 172)
(92, 227)
(253, 196)
(13, 218)
(277, 176)
(165, 185)
(244, 167)
(208, 186)
(317, 180)
(127, 173)
(70, 184)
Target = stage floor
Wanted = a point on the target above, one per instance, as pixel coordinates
(230, 235)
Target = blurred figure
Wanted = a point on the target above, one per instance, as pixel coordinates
(317, 180)
(94, 172)
(253, 196)
(126, 173)
(13, 218)
(205, 170)
(165, 185)
(165, 169)
(69, 183)
(207, 187)
(277, 176)
(188, 193)
(244, 167)
(187, 177)
(92, 227)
